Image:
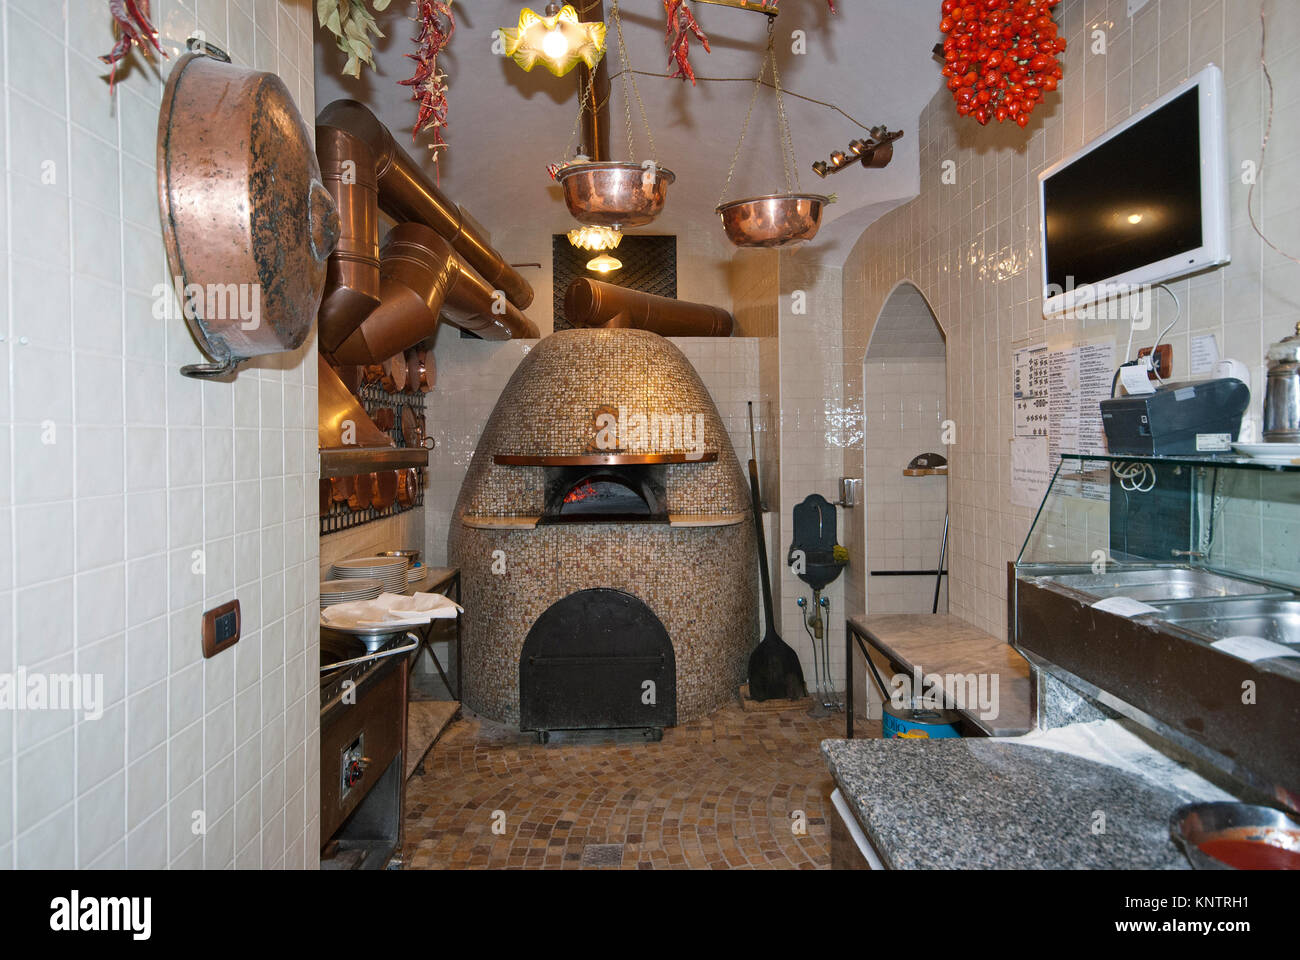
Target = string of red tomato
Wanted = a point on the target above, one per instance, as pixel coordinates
(1000, 56)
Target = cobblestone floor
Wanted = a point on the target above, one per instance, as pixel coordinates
(715, 793)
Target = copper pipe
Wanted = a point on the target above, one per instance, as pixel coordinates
(352, 274)
(407, 194)
(595, 85)
(593, 303)
(423, 279)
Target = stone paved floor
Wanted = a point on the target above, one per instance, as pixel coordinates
(715, 793)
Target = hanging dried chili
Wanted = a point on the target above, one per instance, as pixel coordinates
(132, 19)
(681, 24)
(429, 84)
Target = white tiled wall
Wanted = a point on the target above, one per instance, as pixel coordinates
(117, 475)
(972, 246)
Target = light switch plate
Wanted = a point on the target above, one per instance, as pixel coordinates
(221, 626)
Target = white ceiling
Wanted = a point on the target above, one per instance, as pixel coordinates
(505, 125)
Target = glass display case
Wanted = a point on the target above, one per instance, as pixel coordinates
(1168, 528)
(1168, 589)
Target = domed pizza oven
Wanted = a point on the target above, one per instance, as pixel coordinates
(605, 542)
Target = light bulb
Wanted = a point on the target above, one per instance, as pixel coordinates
(604, 263)
(554, 45)
(1135, 218)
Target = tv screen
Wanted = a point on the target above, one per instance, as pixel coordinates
(1144, 203)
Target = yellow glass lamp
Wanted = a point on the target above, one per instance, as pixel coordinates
(559, 42)
(604, 263)
(593, 237)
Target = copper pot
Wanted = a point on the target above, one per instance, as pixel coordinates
(414, 369)
(246, 221)
(614, 194)
(772, 221)
(326, 496)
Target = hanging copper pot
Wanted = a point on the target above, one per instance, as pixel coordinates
(363, 492)
(385, 491)
(246, 221)
(394, 379)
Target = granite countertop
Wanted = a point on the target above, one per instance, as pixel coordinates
(997, 804)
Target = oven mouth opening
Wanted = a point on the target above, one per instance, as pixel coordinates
(632, 493)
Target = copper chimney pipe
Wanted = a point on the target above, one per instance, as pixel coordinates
(594, 86)
(352, 274)
(407, 194)
(593, 303)
(423, 279)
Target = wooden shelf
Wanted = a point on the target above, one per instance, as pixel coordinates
(926, 472)
(501, 523)
(601, 459)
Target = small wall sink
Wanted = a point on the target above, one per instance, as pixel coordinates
(1152, 585)
(1272, 618)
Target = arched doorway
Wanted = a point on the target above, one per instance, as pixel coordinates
(905, 408)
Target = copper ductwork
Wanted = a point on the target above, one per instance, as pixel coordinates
(593, 303)
(352, 277)
(421, 279)
(407, 194)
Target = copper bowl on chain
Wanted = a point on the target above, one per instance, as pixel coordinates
(615, 194)
(772, 221)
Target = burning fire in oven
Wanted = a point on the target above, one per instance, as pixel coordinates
(580, 492)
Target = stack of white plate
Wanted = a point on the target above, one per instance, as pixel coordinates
(349, 588)
(390, 571)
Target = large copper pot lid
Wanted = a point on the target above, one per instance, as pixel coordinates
(246, 221)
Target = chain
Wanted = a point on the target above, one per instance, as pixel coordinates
(787, 142)
(577, 123)
(629, 90)
(758, 83)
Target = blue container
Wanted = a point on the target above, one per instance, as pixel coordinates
(919, 724)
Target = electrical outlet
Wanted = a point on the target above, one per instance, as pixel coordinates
(1162, 363)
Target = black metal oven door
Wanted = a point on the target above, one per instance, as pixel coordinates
(597, 659)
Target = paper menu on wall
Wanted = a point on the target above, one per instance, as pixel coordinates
(1030, 472)
(1029, 391)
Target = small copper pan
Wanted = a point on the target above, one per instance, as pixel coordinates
(409, 428)
(363, 486)
(372, 373)
(406, 487)
(385, 489)
(341, 489)
(414, 370)
(394, 379)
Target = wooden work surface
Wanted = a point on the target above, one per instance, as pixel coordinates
(941, 643)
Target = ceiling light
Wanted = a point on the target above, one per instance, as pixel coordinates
(1135, 218)
(604, 263)
(592, 237)
(558, 42)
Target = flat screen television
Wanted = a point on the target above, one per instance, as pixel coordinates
(1145, 202)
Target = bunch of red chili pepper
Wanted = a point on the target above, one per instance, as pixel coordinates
(681, 25)
(429, 84)
(1000, 56)
(132, 18)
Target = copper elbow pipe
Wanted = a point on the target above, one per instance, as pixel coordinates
(352, 274)
(407, 194)
(421, 280)
(593, 303)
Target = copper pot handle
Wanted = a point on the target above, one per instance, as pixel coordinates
(322, 222)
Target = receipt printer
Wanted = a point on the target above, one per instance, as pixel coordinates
(1179, 418)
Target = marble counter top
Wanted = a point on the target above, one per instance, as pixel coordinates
(999, 804)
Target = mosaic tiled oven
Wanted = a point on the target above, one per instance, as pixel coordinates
(604, 487)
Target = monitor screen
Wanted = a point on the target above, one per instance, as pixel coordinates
(1132, 201)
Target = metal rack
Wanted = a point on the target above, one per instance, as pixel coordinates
(373, 397)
